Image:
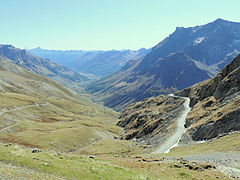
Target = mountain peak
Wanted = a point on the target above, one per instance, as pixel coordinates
(7, 46)
(220, 20)
(223, 21)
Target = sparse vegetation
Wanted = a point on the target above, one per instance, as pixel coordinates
(19, 162)
(228, 143)
(48, 131)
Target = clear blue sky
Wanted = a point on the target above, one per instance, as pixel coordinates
(104, 24)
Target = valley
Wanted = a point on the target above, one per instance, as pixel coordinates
(94, 63)
(39, 112)
(167, 112)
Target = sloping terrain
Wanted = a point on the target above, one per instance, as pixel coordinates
(215, 104)
(215, 110)
(37, 112)
(151, 121)
(44, 67)
(212, 126)
(187, 56)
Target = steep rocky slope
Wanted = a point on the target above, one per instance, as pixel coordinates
(98, 63)
(151, 121)
(215, 111)
(187, 56)
(215, 104)
(44, 67)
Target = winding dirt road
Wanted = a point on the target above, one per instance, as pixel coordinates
(180, 129)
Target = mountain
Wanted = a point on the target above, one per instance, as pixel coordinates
(187, 56)
(215, 104)
(105, 63)
(98, 63)
(16, 79)
(44, 67)
(215, 111)
(49, 132)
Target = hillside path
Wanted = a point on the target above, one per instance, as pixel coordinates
(12, 110)
(180, 129)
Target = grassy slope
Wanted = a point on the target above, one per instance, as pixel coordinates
(37, 112)
(21, 162)
(228, 143)
(50, 122)
(63, 165)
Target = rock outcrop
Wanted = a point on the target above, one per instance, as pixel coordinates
(152, 120)
(215, 110)
(216, 104)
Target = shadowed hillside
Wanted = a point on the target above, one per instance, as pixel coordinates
(187, 56)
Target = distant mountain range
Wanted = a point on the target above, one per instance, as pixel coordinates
(45, 67)
(187, 56)
(98, 63)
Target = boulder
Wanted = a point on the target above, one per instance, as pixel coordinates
(36, 150)
(92, 157)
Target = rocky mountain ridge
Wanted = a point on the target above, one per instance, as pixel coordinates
(215, 104)
(187, 56)
(215, 110)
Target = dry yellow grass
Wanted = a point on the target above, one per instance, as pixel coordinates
(228, 143)
(36, 111)
(19, 162)
(60, 124)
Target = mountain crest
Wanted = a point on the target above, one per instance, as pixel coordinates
(187, 56)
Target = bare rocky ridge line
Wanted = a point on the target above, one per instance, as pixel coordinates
(180, 129)
(186, 57)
